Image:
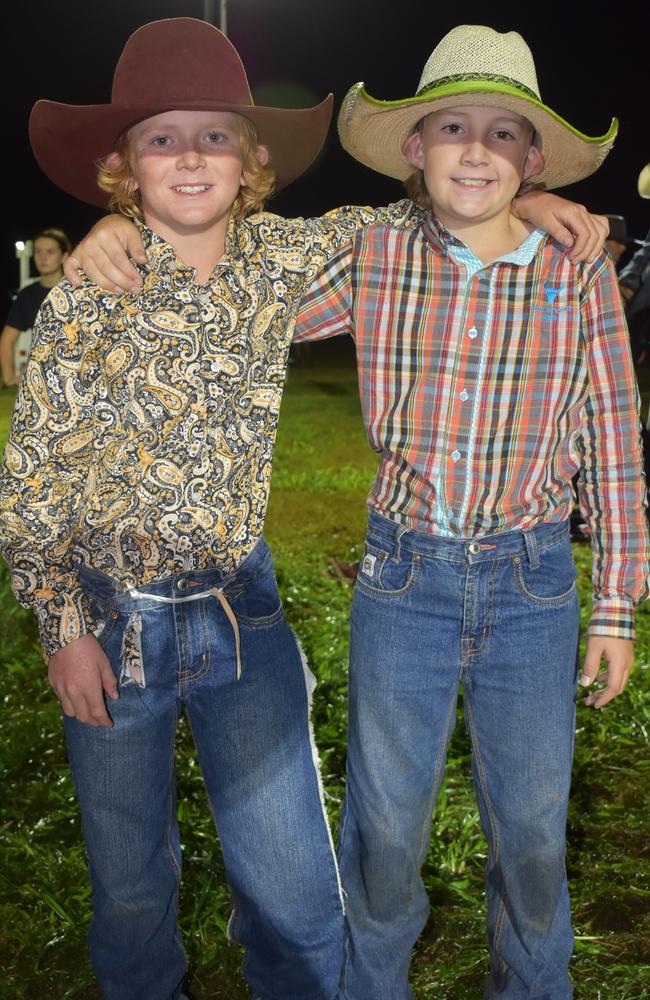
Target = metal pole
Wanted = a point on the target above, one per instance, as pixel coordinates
(208, 11)
(24, 254)
(223, 16)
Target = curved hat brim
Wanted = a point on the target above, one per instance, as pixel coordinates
(68, 139)
(644, 182)
(374, 131)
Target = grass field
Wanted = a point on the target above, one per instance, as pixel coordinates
(315, 526)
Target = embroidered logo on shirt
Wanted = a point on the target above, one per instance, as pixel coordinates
(548, 308)
(552, 293)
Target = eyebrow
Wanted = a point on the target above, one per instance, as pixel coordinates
(505, 117)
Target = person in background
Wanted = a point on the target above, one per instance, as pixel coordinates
(634, 282)
(618, 242)
(51, 248)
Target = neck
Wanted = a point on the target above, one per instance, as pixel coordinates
(201, 249)
(50, 280)
(489, 238)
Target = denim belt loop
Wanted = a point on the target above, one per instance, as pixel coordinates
(399, 534)
(532, 551)
(212, 592)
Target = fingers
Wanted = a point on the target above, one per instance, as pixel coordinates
(109, 682)
(619, 655)
(78, 674)
(84, 703)
(73, 270)
(109, 267)
(134, 247)
(615, 682)
(590, 233)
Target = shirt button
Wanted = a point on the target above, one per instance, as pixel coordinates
(464, 395)
(455, 455)
(472, 332)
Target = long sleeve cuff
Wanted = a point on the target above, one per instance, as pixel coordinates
(612, 616)
(61, 620)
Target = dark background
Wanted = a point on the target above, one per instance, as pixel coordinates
(590, 67)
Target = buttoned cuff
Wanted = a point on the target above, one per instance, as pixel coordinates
(612, 616)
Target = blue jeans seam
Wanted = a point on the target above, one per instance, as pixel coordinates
(171, 814)
(437, 775)
(494, 847)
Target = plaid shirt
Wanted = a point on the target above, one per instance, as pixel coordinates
(485, 388)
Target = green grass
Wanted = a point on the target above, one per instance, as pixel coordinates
(315, 525)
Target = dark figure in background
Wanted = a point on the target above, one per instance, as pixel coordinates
(618, 243)
(634, 281)
(51, 247)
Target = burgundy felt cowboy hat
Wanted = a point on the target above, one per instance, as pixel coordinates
(179, 64)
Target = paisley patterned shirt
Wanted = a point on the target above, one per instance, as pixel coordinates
(142, 438)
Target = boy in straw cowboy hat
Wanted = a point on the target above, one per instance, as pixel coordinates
(491, 371)
(132, 507)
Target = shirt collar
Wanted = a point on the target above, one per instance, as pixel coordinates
(446, 243)
(162, 259)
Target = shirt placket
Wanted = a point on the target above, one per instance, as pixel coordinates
(474, 338)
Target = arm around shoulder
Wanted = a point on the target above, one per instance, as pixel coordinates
(569, 223)
(106, 255)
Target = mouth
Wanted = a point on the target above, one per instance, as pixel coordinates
(191, 189)
(476, 183)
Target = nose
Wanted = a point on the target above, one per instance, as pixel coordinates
(190, 158)
(475, 153)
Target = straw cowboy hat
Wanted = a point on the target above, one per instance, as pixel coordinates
(478, 66)
(644, 182)
(178, 64)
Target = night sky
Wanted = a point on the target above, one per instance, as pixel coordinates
(589, 67)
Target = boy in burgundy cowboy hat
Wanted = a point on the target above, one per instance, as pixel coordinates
(132, 502)
(504, 371)
(133, 523)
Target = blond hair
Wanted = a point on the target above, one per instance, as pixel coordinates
(117, 182)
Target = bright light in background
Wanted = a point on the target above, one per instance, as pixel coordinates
(23, 253)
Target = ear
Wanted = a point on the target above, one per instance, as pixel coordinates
(262, 154)
(115, 162)
(412, 150)
(533, 164)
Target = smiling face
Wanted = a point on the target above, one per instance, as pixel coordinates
(473, 159)
(187, 166)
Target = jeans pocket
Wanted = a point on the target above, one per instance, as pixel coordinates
(553, 582)
(256, 603)
(385, 573)
(120, 636)
(104, 619)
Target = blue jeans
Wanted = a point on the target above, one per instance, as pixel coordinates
(499, 615)
(173, 647)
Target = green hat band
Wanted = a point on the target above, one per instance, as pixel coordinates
(479, 78)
